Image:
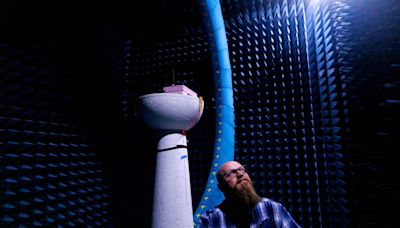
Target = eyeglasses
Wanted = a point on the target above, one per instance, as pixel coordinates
(234, 172)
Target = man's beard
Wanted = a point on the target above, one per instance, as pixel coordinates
(245, 194)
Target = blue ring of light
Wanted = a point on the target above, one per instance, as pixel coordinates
(225, 132)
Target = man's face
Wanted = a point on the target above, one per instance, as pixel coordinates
(235, 176)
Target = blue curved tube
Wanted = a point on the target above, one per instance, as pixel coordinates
(225, 126)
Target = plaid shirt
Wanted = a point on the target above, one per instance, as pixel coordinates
(266, 213)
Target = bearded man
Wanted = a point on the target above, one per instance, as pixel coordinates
(242, 206)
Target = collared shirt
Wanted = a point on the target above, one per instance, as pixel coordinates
(266, 213)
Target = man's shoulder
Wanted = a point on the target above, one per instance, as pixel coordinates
(212, 216)
(281, 216)
(216, 211)
(270, 202)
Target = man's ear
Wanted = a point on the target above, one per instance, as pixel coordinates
(221, 187)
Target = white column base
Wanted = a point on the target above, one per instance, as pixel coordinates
(172, 205)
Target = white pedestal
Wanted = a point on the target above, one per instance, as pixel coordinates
(177, 110)
(172, 206)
